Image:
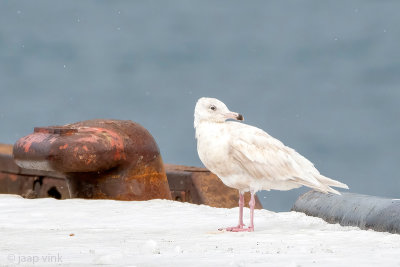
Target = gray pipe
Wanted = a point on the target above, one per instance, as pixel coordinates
(348, 209)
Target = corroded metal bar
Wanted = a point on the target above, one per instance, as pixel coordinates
(348, 209)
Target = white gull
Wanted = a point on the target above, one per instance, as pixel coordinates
(248, 159)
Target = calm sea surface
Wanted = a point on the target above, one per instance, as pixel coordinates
(322, 76)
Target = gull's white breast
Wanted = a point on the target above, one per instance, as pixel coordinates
(213, 147)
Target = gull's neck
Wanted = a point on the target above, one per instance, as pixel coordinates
(198, 121)
(204, 127)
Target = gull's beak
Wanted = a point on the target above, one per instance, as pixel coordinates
(234, 115)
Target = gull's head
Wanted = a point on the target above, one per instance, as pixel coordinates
(213, 110)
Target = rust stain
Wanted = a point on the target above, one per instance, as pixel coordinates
(26, 142)
(115, 141)
(91, 138)
(90, 159)
(13, 178)
(63, 147)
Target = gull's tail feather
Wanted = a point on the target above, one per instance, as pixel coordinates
(330, 182)
(331, 190)
(324, 184)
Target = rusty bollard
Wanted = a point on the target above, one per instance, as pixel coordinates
(101, 159)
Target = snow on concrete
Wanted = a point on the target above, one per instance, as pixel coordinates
(77, 232)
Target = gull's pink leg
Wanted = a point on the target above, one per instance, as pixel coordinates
(241, 204)
(241, 224)
(252, 203)
(240, 228)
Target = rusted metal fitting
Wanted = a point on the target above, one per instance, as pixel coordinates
(102, 159)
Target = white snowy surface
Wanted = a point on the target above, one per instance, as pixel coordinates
(77, 232)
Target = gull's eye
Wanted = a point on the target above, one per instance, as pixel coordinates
(213, 108)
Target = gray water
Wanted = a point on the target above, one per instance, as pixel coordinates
(322, 76)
